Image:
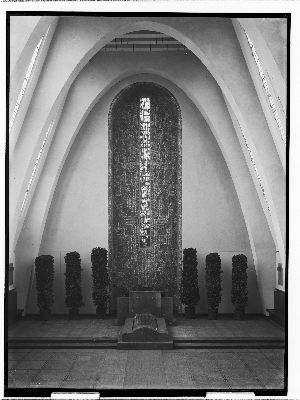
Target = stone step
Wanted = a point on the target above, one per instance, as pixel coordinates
(178, 343)
(223, 339)
(228, 345)
(63, 340)
(62, 345)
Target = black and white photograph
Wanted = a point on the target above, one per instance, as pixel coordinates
(147, 170)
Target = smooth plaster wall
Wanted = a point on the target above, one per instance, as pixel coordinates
(274, 32)
(212, 217)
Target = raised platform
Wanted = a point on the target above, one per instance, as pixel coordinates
(255, 332)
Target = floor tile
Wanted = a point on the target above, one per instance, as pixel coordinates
(238, 372)
(78, 385)
(265, 374)
(11, 383)
(264, 364)
(218, 385)
(58, 365)
(21, 376)
(29, 365)
(50, 375)
(18, 351)
(48, 384)
(18, 385)
(16, 356)
(252, 356)
(227, 356)
(11, 364)
(245, 384)
(231, 364)
(87, 375)
(38, 356)
(273, 384)
(279, 362)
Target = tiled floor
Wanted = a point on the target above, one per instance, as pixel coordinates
(180, 368)
(189, 369)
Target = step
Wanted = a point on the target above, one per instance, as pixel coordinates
(277, 317)
(244, 345)
(62, 340)
(62, 345)
(272, 339)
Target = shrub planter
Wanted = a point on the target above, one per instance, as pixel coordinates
(73, 284)
(100, 295)
(189, 312)
(44, 273)
(189, 290)
(213, 283)
(239, 290)
(45, 315)
(213, 314)
(239, 315)
(101, 313)
(74, 313)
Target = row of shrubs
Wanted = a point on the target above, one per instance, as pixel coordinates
(44, 268)
(189, 290)
(189, 293)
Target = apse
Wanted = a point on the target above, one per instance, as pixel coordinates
(228, 195)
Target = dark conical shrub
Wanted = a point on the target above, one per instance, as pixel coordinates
(101, 297)
(44, 269)
(213, 280)
(239, 290)
(73, 280)
(189, 293)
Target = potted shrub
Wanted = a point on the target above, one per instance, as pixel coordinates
(73, 284)
(213, 284)
(101, 297)
(189, 293)
(44, 270)
(239, 290)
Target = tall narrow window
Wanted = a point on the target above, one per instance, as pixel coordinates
(256, 171)
(36, 166)
(25, 83)
(145, 184)
(267, 90)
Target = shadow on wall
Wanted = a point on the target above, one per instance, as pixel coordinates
(254, 304)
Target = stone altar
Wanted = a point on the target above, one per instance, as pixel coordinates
(158, 306)
(144, 302)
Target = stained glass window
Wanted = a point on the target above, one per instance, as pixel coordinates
(145, 184)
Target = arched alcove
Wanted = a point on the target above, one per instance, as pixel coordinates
(145, 189)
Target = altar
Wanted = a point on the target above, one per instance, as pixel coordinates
(145, 301)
